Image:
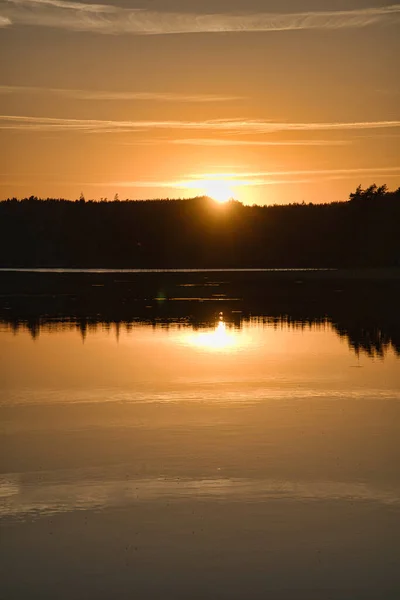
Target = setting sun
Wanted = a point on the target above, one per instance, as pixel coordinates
(218, 190)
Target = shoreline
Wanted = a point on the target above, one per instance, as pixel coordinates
(388, 273)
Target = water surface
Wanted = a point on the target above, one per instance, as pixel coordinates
(234, 458)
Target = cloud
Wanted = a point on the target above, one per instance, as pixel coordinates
(198, 181)
(239, 126)
(112, 95)
(261, 178)
(219, 142)
(110, 19)
(251, 174)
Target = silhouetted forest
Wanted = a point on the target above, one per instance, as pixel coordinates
(198, 233)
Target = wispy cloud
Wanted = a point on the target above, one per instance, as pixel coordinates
(197, 182)
(112, 95)
(261, 178)
(219, 142)
(242, 126)
(294, 173)
(110, 19)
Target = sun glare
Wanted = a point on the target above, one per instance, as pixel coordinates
(218, 190)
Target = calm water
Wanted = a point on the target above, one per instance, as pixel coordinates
(247, 459)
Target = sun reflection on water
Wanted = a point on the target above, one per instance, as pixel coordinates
(221, 338)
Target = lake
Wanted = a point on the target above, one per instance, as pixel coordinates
(192, 441)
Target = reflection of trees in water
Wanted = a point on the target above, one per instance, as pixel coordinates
(361, 306)
(373, 339)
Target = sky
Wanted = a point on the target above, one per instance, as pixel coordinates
(268, 101)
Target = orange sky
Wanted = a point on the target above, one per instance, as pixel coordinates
(281, 101)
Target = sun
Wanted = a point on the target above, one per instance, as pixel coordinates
(217, 189)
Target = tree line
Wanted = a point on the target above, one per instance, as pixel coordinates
(197, 233)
